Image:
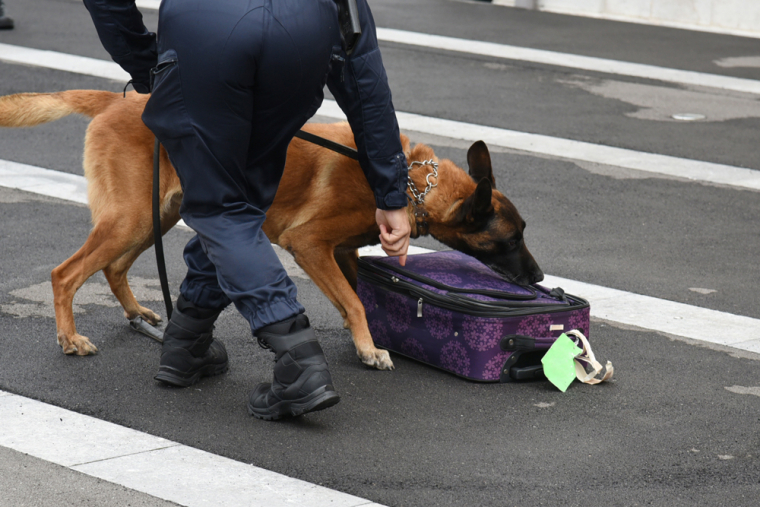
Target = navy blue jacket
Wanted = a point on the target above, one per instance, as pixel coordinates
(360, 87)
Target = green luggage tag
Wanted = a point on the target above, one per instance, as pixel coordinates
(559, 367)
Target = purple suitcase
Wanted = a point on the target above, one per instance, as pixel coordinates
(449, 310)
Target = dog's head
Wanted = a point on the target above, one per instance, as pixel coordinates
(473, 217)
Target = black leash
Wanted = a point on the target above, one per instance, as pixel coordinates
(159, 244)
(157, 239)
(326, 143)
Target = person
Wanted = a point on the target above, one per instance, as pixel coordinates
(6, 23)
(232, 82)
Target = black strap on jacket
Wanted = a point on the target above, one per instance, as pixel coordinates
(350, 26)
(157, 239)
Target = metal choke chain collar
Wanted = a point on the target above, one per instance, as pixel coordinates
(419, 198)
(418, 202)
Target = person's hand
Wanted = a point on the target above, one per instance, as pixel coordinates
(394, 232)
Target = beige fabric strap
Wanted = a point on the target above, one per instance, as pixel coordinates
(592, 372)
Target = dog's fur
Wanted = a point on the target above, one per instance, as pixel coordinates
(323, 211)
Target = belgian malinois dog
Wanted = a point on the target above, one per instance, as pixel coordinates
(323, 212)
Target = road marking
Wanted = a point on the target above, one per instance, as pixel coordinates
(554, 58)
(696, 170)
(62, 61)
(70, 187)
(151, 464)
(663, 316)
(589, 63)
(148, 4)
(567, 149)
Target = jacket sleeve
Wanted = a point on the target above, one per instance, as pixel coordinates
(122, 31)
(360, 87)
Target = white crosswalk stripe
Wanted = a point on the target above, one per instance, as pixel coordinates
(566, 60)
(62, 61)
(150, 464)
(695, 170)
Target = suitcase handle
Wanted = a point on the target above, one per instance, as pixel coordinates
(522, 342)
(535, 371)
(523, 365)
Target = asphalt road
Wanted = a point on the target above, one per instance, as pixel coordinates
(665, 432)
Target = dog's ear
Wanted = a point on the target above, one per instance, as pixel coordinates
(478, 205)
(479, 161)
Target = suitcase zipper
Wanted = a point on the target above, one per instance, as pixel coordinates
(532, 296)
(419, 307)
(471, 307)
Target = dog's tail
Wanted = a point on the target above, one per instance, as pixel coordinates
(30, 109)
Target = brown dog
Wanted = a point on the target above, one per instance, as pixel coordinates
(323, 212)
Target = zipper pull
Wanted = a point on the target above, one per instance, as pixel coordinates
(419, 308)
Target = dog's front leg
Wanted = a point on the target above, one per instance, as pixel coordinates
(348, 263)
(319, 262)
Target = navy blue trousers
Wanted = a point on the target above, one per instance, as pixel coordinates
(235, 80)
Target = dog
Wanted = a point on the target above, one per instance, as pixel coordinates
(323, 211)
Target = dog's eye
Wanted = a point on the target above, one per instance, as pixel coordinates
(511, 244)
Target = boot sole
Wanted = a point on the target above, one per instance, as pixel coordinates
(320, 399)
(176, 378)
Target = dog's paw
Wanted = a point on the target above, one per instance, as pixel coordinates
(148, 316)
(379, 359)
(77, 344)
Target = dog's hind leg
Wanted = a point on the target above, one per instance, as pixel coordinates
(103, 246)
(116, 272)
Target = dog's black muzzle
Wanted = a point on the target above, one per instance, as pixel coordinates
(518, 267)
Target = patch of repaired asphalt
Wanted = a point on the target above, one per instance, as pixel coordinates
(660, 103)
(747, 62)
(37, 300)
(744, 390)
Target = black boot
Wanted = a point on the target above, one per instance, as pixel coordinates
(301, 380)
(6, 23)
(189, 351)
